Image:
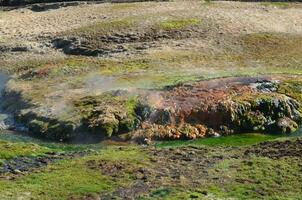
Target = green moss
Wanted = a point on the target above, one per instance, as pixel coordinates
(10, 150)
(124, 67)
(37, 126)
(130, 122)
(178, 24)
(253, 121)
(233, 140)
(107, 114)
(292, 88)
(131, 153)
(108, 128)
(51, 129)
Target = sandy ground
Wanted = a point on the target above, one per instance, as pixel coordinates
(26, 25)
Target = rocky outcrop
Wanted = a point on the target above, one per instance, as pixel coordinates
(221, 107)
(189, 111)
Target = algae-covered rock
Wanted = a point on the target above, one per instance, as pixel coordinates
(107, 114)
(292, 88)
(106, 123)
(262, 113)
(38, 127)
(253, 121)
(52, 129)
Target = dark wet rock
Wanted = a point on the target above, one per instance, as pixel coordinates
(144, 111)
(265, 86)
(75, 46)
(14, 49)
(20, 165)
(50, 6)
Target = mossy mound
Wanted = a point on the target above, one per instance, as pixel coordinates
(264, 112)
(107, 114)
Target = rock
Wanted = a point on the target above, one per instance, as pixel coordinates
(52, 129)
(265, 86)
(224, 130)
(143, 111)
(162, 116)
(212, 133)
(16, 171)
(286, 125)
(202, 130)
(107, 115)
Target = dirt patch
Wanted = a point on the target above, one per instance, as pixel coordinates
(277, 149)
(185, 167)
(114, 169)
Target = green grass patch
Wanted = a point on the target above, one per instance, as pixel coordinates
(57, 181)
(233, 140)
(178, 24)
(259, 178)
(72, 177)
(10, 150)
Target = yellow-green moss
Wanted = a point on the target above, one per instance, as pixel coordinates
(178, 24)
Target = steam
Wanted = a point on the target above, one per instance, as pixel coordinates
(5, 120)
(155, 99)
(97, 83)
